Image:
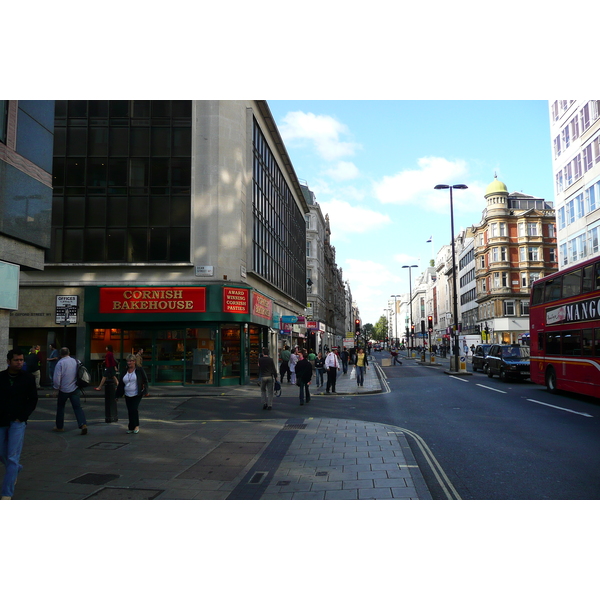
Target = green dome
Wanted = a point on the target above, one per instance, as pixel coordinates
(496, 187)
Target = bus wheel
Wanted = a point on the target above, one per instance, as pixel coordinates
(551, 380)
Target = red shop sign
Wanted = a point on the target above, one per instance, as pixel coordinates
(152, 300)
(236, 300)
(262, 306)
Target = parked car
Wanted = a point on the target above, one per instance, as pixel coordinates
(508, 361)
(377, 347)
(479, 357)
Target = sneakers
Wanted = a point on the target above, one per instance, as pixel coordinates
(83, 429)
(58, 430)
(265, 406)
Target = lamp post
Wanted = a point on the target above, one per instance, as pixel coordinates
(454, 363)
(410, 267)
(394, 296)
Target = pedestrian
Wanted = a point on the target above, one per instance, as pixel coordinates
(33, 364)
(362, 364)
(52, 360)
(344, 358)
(304, 371)
(332, 364)
(18, 399)
(284, 367)
(472, 349)
(139, 357)
(133, 386)
(292, 365)
(65, 382)
(110, 367)
(395, 356)
(267, 373)
(320, 369)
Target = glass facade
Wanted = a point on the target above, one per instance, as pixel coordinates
(279, 227)
(122, 179)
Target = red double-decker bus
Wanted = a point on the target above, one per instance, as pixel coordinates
(564, 319)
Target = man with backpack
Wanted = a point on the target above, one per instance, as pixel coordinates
(65, 382)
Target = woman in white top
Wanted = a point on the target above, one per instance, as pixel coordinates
(133, 385)
(292, 365)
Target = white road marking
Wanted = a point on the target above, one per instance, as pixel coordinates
(560, 408)
(459, 379)
(487, 387)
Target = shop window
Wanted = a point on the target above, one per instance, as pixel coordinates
(231, 351)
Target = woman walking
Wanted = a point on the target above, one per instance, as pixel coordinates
(133, 385)
(320, 369)
(292, 365)
(362, 364)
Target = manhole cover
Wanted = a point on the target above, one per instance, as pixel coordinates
(95, 478)
(107, 445)
(321, 473)
(294, 426)
(116, 493)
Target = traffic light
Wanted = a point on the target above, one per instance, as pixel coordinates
(422, 326)
(430, 323)
(412, 329)
(357, 326)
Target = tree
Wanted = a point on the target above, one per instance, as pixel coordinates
(380, 330)
(367, 331)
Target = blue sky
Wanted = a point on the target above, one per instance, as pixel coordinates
(373, 166)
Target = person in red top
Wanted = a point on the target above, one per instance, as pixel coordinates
(110, 367)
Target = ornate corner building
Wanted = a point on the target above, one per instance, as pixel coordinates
(514, 245)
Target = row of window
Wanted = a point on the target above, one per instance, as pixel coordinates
(486, 311)
(279, 228)
(581, 246)
(501, 279)
(583, 342)
(585, 117)
(524, 228)
(136, 109)
(582, 120)
(580, 164)
(579, 281)
(579, 206)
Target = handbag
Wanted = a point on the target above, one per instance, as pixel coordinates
(277, 386)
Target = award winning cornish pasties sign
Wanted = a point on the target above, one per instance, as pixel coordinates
(153, 300)
(236, 300)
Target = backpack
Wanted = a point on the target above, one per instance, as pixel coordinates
(83, 376)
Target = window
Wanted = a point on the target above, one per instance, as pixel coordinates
(565, 137)
(587, 158)
(503, 229)
(570, 211)
(559, 181)
(495, 254)
(503, 253)
(594, 240)
(496, 280)
(521, 229)
(3, 120)
(533, 253)
(584, 115)
(574, 127)
(494, 230)
(307, 217)
(524, 307)
(552, 289)
(571, 283)
(561, 218)
(579, 206)
(568, 175)
(564, 258)
(556, 146)
(308, 246)
(552, 255)
(504, 279)
(551, 230)
(577, 167)
(532, 228)
(522, 254)
(482, 262)
(509, 308)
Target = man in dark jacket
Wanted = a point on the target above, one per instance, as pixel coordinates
(304, 370)
(18, 399)
(267, 373)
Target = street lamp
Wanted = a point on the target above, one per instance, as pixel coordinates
(394, 296)
(454, 363)
(410, 267)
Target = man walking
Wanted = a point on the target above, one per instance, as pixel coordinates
(344, 356)
(304, 370)
(285, 363)
(332, 364)
(33, 364)
(65, 381)
(18, 399)
(267, 373)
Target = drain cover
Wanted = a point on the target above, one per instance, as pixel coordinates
(107, 445)
(116, 493)
(294, 426)
(95, 478)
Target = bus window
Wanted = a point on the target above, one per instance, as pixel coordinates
(571, 343)
(588, 279)
(553, 343)
(552, 291)
(537, 295)
(540, 341)
(596, 342)
(586, 342)
(571, 283)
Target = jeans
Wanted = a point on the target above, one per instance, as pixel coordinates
(133, 403)
(11, 444)
(266, 390)
(344, 366)
(75, 398)
(320, 373)
(304, 387)
(360, 375)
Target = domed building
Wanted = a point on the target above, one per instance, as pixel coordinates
(514, 245)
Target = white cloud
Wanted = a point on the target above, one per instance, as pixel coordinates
(323, 131)
(346, 219)
(416, 186)
(343, 170)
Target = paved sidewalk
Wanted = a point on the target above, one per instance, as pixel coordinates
(270, 459)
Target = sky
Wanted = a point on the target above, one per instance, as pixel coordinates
(373, 166)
